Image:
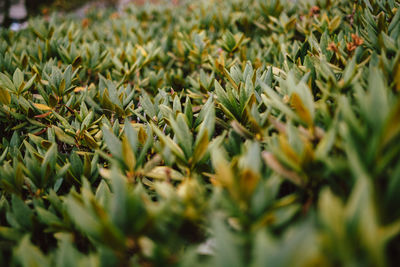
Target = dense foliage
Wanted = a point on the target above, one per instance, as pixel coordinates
(213, 133)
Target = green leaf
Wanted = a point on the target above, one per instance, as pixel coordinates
(169, 143)
(29, 255)
(182, 133)
(47, 217)
(21, 213)
(6, 82)
(18, 78)
(112, 142)
(62, 136)
(188, 112)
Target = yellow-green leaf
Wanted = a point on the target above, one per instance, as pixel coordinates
(164, 172)
(42, 106)
(5, 97)
(63, 137)
(128, 154)
(301, 109)
(201, 147)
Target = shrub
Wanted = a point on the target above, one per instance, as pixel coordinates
(221, 133)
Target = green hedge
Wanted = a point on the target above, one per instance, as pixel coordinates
(209, 133)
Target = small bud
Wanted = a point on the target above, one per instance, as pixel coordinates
(85, 22)
(357, 41)
(314, 11)
(332, 47)
(351, 47)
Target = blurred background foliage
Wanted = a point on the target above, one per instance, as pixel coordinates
(38, 6)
